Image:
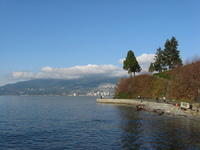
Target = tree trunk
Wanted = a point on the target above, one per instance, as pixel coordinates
(130, 74)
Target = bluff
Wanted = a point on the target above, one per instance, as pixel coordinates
(181, 83)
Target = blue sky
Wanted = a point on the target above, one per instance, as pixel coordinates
(75, 38)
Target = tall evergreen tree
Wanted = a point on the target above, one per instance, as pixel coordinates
(131, 64)
(171, 57)
(159, 63)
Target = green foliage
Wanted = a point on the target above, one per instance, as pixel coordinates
(131, 64)
(171, 54)
(122, 96)
(164, 75)
(158, 64)
(168, 58)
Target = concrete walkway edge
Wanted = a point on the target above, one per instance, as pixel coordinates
(168, 109)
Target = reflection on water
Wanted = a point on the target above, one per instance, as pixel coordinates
(81, 123)
(144, 130)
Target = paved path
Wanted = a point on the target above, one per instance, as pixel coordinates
(167, 108)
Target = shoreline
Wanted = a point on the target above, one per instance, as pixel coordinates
(167, 108)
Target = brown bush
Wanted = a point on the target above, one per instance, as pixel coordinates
(145, 86)
(183, 83)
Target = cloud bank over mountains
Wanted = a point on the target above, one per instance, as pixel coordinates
(71, 73)
(83, 71)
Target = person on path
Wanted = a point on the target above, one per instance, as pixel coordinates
(157, 99)
(164, 99)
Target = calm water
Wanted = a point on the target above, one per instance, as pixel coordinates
(81, 123)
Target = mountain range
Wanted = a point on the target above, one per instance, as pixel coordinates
(56, 86)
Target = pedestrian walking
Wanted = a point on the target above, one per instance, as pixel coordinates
(157, 99)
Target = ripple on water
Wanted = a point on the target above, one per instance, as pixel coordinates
(80, 123)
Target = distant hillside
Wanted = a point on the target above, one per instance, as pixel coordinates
(55, 86)
(181, 83)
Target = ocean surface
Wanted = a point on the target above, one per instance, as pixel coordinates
(56, 123)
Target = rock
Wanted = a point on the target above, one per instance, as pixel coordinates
(159, 111)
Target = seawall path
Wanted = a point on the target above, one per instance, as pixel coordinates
(167, 108)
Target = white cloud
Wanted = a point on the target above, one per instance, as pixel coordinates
(146, 58)
(121, 61)
(83, 71)
(144, 61)
(25, 74)
(72, 72)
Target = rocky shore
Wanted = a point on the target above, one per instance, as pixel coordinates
(169, 108)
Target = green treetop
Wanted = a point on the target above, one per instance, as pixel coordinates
(159, 64)
(131, 64)
(171, 54)
(168, 58)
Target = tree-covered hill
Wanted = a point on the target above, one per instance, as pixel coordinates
(180, 83)
(54, 86)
